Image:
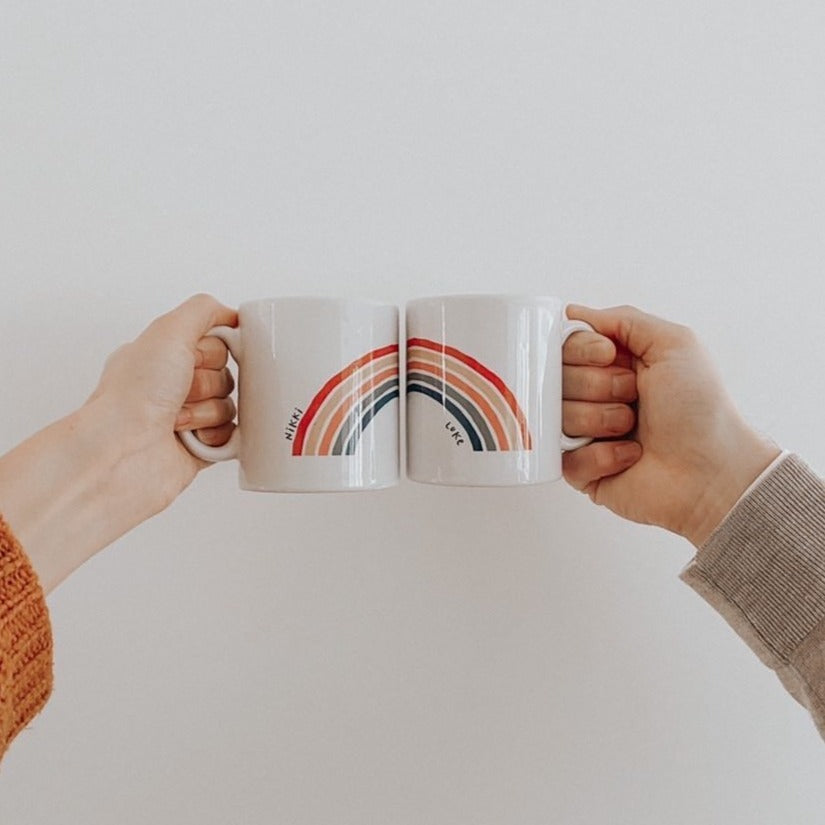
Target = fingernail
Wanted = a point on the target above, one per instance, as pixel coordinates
(184, 417)
(624, 387)
(627, 453)
(617, 419)
(198, 357)
(598, 351)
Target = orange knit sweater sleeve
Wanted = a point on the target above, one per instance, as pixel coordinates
(25, 640)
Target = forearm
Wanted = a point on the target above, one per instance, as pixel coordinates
(65, 491)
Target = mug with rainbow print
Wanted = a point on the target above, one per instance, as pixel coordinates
(318, 395)
(484, 390)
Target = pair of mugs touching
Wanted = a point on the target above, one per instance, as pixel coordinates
(319, 392)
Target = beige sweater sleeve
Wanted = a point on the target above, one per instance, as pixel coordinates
(763, 569)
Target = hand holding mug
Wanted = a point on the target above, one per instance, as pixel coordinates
(692, 456)
(172, 376)
(318, 395)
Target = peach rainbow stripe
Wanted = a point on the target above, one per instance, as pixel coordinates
(347, 403)
(481, 402)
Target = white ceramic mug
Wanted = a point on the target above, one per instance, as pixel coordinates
(484, 389)
(317, 395)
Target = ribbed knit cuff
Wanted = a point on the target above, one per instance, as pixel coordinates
(25, 640)
(763, 568)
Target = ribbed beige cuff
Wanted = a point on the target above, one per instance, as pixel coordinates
(763, 569)
(768, 557)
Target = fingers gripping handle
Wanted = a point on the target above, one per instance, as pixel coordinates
(232, 338)
(567, 329)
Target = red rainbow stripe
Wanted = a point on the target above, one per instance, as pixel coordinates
(321, 395)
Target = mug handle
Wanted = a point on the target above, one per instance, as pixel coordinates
(568, 328)
(232, 338)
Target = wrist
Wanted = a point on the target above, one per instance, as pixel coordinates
(59, 491)
(98, 430)
(746, 456)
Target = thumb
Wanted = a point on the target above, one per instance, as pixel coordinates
(191, 320)
(645, 336)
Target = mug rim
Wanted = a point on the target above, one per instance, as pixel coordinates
(320, 299)
(489, 296)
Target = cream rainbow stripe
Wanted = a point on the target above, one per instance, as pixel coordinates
(480, 401)
(345, 405)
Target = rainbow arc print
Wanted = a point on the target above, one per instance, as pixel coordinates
(344, 407)
(481, 403)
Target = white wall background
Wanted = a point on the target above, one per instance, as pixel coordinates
(419, 655)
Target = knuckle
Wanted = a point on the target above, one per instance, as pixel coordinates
(214, 351)
(622, 386)
(629, 420)
(202, 299)
(219, 350)
(591, 418)
(121, 352)
(571, 347)
(597, 384)
(224, 410)
(686, 334)
(216, 411)
(603, 459)
(626, 328)
(200, 384)
(207, 412)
